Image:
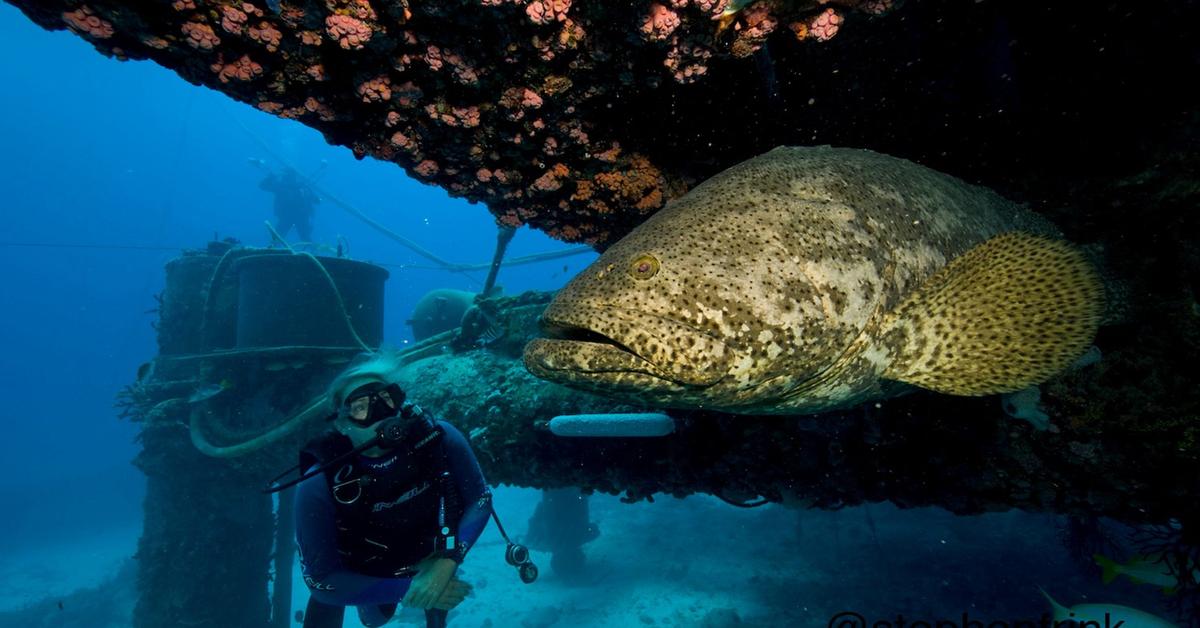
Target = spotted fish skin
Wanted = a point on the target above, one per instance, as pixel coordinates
(763, 290)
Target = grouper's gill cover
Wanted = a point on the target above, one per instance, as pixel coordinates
(804, 279)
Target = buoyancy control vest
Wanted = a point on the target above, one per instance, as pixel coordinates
(390, 514)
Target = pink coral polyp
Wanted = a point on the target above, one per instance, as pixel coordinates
(232, 20)
(547, 11)
(350, 33)
(200, 36)
(426, 168)
(378, 89)
(405, 141)
(825, 25)
(687, 61)
(267, 35)
(659, 23)
(84, 21)
(244, 69)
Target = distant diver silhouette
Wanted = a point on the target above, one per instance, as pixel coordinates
(295, 202)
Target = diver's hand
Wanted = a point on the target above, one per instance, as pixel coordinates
(453, 595)
(431, 579)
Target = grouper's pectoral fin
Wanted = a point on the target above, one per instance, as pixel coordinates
(1010, 313)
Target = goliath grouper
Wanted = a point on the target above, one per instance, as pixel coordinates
(812, 279)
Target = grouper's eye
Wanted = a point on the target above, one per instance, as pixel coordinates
(644, 267)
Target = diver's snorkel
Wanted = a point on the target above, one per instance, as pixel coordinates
(390, 433)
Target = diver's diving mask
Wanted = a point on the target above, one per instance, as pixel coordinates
(372, 403)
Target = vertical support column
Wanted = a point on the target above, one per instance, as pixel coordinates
(561, 524)
(285, 550)
(206, 539)
(207, 528)
(225, 378)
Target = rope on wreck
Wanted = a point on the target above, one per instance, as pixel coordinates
(337, 294)
(352, 210)
(317, 409)
(213, 281)
(196, 429)
(410, 244)
(514, 261)
(75, 245)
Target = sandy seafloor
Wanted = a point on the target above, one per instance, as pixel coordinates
(691, 562)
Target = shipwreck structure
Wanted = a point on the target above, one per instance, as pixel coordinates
(238, 387)
(581, 119)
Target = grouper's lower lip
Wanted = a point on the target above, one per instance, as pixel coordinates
(597, 364)
(617, 345)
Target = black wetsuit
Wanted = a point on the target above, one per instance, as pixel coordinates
(329, 565)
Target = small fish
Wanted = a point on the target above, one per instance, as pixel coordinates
(1026, 405)
(1105, 615)
(209, 391)
(481, 327)
(491, 334)
(1142, 570)
(726, 17)
(60, 605)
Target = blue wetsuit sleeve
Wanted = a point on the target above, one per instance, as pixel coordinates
(324, 572)
(468, 478)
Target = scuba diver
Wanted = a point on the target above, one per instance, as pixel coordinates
(389, 503)
(295, 202)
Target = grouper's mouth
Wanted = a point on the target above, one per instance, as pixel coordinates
(612, 348)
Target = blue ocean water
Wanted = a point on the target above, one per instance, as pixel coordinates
(110, 168)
